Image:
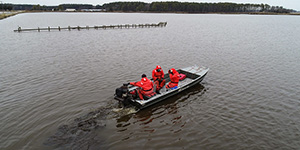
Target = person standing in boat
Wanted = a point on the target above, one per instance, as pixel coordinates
(174, 77)
(158, 78)
(146, 87)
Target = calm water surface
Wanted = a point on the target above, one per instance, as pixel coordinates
(56, 88)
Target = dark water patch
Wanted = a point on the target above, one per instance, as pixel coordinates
(81, 133)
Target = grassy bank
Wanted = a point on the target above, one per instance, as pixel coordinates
(5, 15)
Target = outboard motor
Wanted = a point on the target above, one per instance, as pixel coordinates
(122, 94)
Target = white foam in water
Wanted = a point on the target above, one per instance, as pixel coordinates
(124, 111)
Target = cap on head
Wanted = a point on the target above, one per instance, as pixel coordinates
(143, 76)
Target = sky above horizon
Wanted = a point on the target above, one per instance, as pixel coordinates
(289, 4)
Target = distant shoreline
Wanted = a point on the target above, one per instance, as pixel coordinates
(12, 13)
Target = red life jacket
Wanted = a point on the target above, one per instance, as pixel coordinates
(156, 74)
(174, 77)
(145, 84)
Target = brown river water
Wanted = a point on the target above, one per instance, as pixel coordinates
(56, 88)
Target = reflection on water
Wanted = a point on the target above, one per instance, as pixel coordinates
(169, 105)
(145, 117)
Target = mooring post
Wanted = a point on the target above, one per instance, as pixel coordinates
(165, 24)
(39, 29)
(87, 27)
(48, 28)
(69, 28)
(19, 29)
(161, 24)
(78, 28)
(58, 28)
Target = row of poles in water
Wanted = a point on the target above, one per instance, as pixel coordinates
(69, 28)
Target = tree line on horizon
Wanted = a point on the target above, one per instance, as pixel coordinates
(188, 7)
(192, 7)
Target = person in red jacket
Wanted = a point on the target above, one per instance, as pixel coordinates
(158, 78)
(146, 87)
(174, 77)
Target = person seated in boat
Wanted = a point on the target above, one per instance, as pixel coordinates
(174, 77)
(158, 78)
(146, 87)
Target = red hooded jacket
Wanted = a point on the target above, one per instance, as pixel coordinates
(156, 74)
(145, 84)
(174, 77)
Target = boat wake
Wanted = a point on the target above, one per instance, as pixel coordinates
(83, 131)
(125, 111)
(80, 133)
